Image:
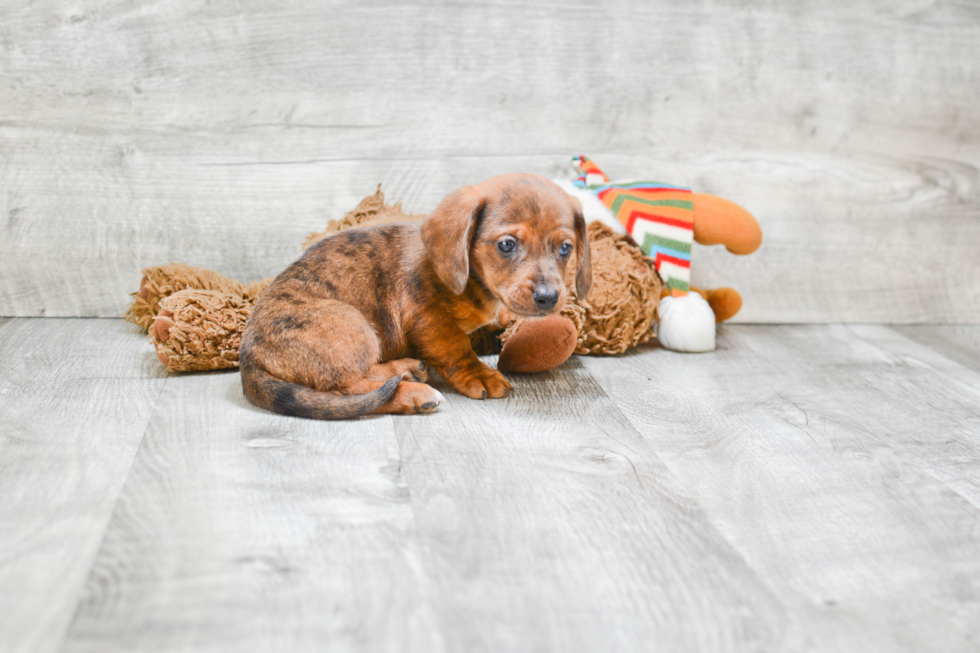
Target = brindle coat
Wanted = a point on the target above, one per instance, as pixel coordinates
(343, 331)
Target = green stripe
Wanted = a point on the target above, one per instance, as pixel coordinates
(622, 197)
(676, 245)
(676, 284)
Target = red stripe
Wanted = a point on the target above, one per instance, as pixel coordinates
(644, 190)
(630, 221)
(674, 222)
(672, 259)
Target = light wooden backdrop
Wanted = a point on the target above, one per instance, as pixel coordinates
(220, 133)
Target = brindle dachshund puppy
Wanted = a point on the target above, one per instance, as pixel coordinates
(340, 332)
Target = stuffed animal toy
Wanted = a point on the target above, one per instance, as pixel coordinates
(195, 317)
(665, 220)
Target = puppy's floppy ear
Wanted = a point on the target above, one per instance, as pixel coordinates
(583, 278)
(448, 233)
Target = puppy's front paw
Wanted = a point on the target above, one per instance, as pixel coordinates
(481, 383)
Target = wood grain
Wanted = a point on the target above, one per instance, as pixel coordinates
(242, 530)
(551, 524)
(219, 134)
(841, 462)
(419, 534)
(75, 397)
(806, 488)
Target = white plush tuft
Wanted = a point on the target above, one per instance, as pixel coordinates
(686, 324)
(592, 207)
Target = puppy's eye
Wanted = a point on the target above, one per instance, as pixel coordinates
(566, 249)
(506, 245)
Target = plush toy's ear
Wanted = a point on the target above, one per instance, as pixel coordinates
(583, 278)
(448, 234)
(538, 345)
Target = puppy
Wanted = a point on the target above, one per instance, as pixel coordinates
(344, 331)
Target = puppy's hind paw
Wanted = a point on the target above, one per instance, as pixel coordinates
(432, 405)
(414, 398)
(432, 402)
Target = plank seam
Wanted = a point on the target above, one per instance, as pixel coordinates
(63, 638)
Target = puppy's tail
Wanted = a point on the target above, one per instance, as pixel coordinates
(278, 396)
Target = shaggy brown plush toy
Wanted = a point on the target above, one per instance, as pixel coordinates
(195, 317)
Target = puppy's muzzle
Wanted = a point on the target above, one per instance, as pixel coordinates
(545, 298)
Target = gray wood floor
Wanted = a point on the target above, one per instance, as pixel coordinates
(804, 488)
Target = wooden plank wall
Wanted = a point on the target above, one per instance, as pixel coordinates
(219, 133)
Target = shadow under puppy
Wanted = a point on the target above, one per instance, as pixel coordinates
(344, 330)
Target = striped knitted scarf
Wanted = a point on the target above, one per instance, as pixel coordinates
(659, 217)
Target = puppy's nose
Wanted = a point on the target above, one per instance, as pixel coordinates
(545, 298)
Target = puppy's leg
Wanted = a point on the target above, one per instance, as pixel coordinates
(447, 348)
(413, 395)
(416, 369)
(477, 380)
(410, 397)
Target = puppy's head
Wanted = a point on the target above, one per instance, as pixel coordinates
(516, 234)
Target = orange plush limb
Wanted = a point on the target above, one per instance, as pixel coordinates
(720, 222)
(724, 302)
